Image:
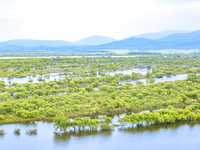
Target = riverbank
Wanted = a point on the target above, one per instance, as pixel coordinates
(114, 112)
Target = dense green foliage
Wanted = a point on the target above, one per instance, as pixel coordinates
(74, 95)
(64, 123)
(111, 100)
(160, 65)
(169, 115)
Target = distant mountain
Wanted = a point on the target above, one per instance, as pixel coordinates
(161, 34)
(183, 37)
(188, 45)
(175, 41)
(128, 43)
(136, 44)
(34, 43)
(94, 40)
(2, 44)
(189, 40)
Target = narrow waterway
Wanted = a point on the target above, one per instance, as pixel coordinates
(56, 76)
(182, 135)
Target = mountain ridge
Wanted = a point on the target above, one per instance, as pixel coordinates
(189, 40)
(94, 40)
(160, 34)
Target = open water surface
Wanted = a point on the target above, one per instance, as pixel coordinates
(178, 136)
(56, 76)
(182, 135)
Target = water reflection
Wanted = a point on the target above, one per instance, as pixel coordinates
(17, 134)
(140, 128)
(63, 137)
(181, 135)
(32, 123)
(56, 76)
(31, 133)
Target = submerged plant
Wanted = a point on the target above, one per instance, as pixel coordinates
(2, 132)
(32, 131)
(17, 131)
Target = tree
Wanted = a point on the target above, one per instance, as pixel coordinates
(38, 92)
(139, 83)
(9, 81)
(71, 83)
(109, 107)
(53, 92)
(151, 80)
(105, 122)
(32, 87)
(30, 81)
(26, 94)
(18, 95)
(55, 86)
(113, 95)
(47, 87)
(11, 91)
(50, 112)
(2, 84)
(5, 96)
(89, 88)
(40, 79)
(62, 123)
(83, 66)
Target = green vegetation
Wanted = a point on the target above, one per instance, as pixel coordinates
(32, 131)
(169, 115)
(64, 123)
(17, 131)
(74, 96)
(88, 66)
(2, 132)
(109, 100)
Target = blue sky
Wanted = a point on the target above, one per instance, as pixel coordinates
(73, 20)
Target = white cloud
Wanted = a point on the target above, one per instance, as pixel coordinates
(190, 5)
(76, 19)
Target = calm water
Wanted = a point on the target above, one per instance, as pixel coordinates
(183, 135)
(163, 79)
(157, 80)
(63, 57)
(54, 76)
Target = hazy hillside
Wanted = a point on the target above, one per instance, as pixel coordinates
(161, 34)
(183, 37)
(178, 41)
(94, 40)
(175, 41)
(33, 43)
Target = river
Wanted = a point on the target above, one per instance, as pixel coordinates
(63, 57)
(56, 76)
(182, 135)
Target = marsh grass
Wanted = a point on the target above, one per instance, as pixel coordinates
(2, 132)
(32, 131)
(17, 131)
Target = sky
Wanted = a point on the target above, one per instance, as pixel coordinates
(72, 20)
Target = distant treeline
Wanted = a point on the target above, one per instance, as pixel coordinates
(144, 53)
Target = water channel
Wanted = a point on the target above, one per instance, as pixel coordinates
(182, 135)
(56, 76)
